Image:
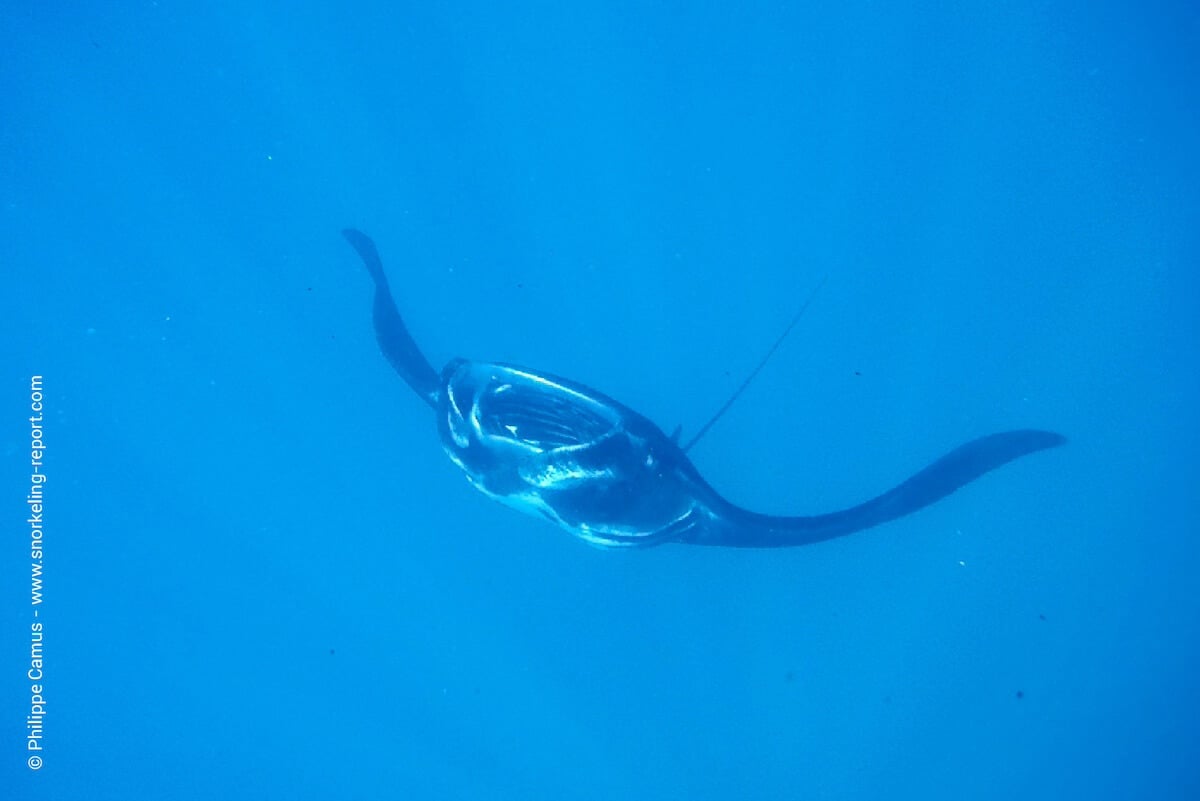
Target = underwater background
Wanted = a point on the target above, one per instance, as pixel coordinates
(262, 578)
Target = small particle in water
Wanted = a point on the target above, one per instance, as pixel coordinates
(331, 652)
(790, 676)
(1041, 616)
(1020, 694)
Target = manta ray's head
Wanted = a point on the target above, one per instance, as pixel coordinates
(500, 407)
(560, 450)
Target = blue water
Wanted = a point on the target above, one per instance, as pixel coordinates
(262, 578)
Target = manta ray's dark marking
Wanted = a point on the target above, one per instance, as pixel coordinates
(559, 449)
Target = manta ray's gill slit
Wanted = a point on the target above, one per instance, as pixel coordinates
(533, 415)
(532, 425)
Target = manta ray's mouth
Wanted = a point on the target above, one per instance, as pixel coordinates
(509, 404)
(539, 415)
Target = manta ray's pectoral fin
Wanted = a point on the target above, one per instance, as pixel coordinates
(397, 344)
(676, 434)
(730, 525)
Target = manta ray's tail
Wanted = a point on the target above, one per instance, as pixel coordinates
(397, 344)
(733, 526)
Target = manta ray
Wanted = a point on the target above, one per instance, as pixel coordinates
(563, 451)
